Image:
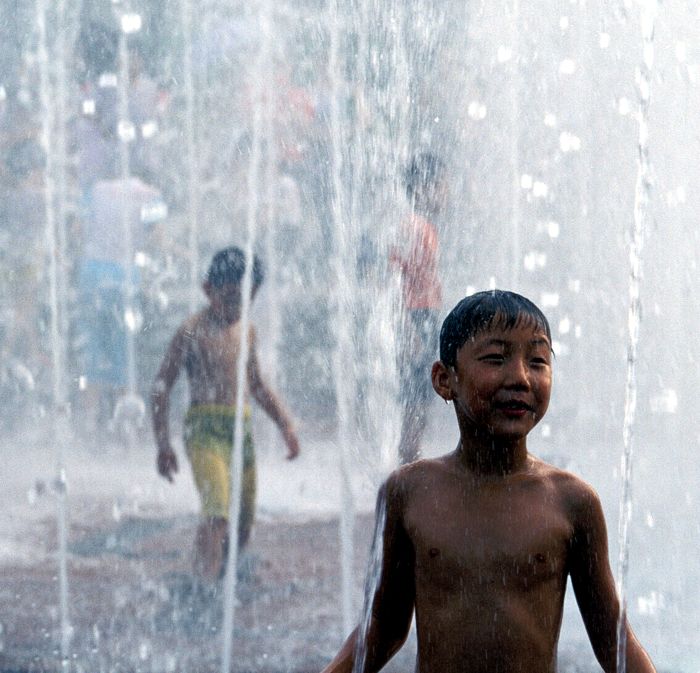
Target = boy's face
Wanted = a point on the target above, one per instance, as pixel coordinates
(502, 380)
(225, 301)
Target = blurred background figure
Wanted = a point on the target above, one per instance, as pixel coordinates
(415, 256)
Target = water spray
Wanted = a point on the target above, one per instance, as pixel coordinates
(342, 358)
(642, 207)
(55, 235)
(236, 486)
(193, 193)
(130, 409)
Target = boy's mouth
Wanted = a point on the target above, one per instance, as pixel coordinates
(514, 407)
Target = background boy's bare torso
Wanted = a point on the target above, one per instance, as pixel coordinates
(211, 359)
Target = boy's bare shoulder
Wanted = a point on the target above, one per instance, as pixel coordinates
(423, 473)
(572, 490)
(191, 325)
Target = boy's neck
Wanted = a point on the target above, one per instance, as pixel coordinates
(492, 457)
(219, 319)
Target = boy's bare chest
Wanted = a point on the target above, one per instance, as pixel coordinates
(214, 352)
(515, 538)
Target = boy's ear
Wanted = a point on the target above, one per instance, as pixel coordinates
(206, 287)
(440, 376)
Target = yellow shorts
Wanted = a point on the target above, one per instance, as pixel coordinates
(209, 443)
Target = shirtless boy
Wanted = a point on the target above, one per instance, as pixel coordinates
(481, 541)
(207, 345)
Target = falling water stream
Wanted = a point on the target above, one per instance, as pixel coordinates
(55, 235)
(193, 195)
(342, 308)
(642, 213)
(236, 485)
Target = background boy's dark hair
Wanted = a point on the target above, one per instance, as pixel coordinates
(228, 266)
(423, 170)
(477, 311)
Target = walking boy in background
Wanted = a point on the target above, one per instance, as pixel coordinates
(480, 542)
(415, 256)
(208, 345)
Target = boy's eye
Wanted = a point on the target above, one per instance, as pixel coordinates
(539, 361)
(493, 357)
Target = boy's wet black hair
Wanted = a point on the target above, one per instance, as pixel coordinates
(424, 169)
(228, 266)
(479, 311)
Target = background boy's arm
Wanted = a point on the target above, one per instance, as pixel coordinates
(595, 591)
(392, 604)
(270, 403)
(160, 403)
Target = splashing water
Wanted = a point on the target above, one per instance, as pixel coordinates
(641, 215)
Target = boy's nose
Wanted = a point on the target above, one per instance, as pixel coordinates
(519, 373)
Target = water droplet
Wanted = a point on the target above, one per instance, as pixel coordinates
(126, 131)
(549, 299)
(149, 129)
(154, 212)
(564, 23)
(89, 107)
(131, 22)
(553, 229)
(476, 110)
(564, 326)
(540, 189)
(133, 319)
(504, 54)
(526, 181)
(107, 79)
(567, 67)
(604, 40)
(550, 120)
(624, 107)
(568, 142)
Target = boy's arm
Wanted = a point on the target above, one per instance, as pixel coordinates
(160, 403)
(393, 600)
(595, 590)
(270, 403)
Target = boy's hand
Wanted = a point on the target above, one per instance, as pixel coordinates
(292, 442)
(167, 463)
